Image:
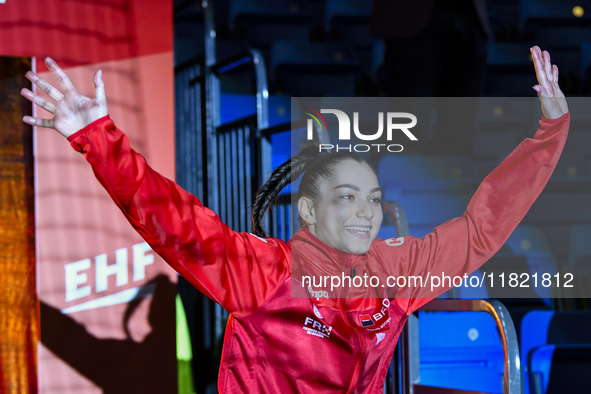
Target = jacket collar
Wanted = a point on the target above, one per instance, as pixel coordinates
(312, 257)
(308, 248)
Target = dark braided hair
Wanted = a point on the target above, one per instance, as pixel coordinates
(317, 168)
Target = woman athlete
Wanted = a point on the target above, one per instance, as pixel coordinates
(284, 335)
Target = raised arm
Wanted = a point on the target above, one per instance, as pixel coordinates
(237, 270)
(462, 245)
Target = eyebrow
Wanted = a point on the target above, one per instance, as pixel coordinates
(348, 185)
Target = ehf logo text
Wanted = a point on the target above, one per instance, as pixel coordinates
(394, 124)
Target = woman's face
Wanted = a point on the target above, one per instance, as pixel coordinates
(348, 214)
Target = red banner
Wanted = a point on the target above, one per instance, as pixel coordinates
(107, 301)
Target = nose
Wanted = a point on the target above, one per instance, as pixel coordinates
(364, 210)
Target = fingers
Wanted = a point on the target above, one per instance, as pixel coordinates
(39, 122)
(546, 73)
(99, 87)
(44, 85)
(38, 100)
(59, 74)
(547, 65)
(539, 66)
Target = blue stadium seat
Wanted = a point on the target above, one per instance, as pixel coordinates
(515, 114)
(348, 20)
(313, 69)
(528, 239)
(579, 259)
(509, 70)
(541, 328)
(460, 350)
(503, 122)
(556, 25)
(531, 242)
(571, 174)
(351, 17)
(585, 68)
(578, 143)
(555, 213)
(580, 118)
(503, 14)
(557, 369)
(491, 145)
(579, 243)
(377, 63)
(400, 174)
(556, 22)
(426, 211)
(431, 190)
(264, 21)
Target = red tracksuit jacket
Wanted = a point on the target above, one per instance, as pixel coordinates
(276, 343)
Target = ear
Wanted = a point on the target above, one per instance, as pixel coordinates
(306, 210)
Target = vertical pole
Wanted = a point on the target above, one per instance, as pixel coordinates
(19, 332)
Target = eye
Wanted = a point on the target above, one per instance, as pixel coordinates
(347, 197)
(375, 200)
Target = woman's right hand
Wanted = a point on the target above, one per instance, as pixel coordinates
(72, 111)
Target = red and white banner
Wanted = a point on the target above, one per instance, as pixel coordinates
(107, 300)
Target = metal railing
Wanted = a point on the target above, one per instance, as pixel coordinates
(512, 374)
(223, 165)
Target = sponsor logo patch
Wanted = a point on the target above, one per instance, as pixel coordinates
(366, 320)
(316, 328)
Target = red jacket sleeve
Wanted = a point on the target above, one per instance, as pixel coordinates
(461, 245)
(237, 270)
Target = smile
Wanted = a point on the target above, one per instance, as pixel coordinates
(358, 230)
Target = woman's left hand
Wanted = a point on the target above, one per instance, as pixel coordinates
(552, 99)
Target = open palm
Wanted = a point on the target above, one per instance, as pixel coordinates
(552, 99)
(72, 111)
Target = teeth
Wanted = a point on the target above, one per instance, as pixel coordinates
(358, 228)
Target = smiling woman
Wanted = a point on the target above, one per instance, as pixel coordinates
(348, 214)
(338, 198)
(285, 335)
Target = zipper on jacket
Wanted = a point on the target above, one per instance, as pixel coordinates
(359, 364)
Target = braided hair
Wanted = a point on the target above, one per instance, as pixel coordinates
(317, 169)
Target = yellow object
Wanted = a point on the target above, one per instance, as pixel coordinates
(578, 11)
(184, 353)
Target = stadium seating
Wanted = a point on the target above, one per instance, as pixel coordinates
(313, 69)
(585, 70)
(558, 23)
(546, 370)
(579, 259)
(378, 75)
(431, 190)
(531, 242)
(401, 174)
(460, 350)
(556, 369)
(348, 21)
(571, 174)
(261, 22)
(504, 18)
(509, 70)
(188, 32)
(555, 213)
